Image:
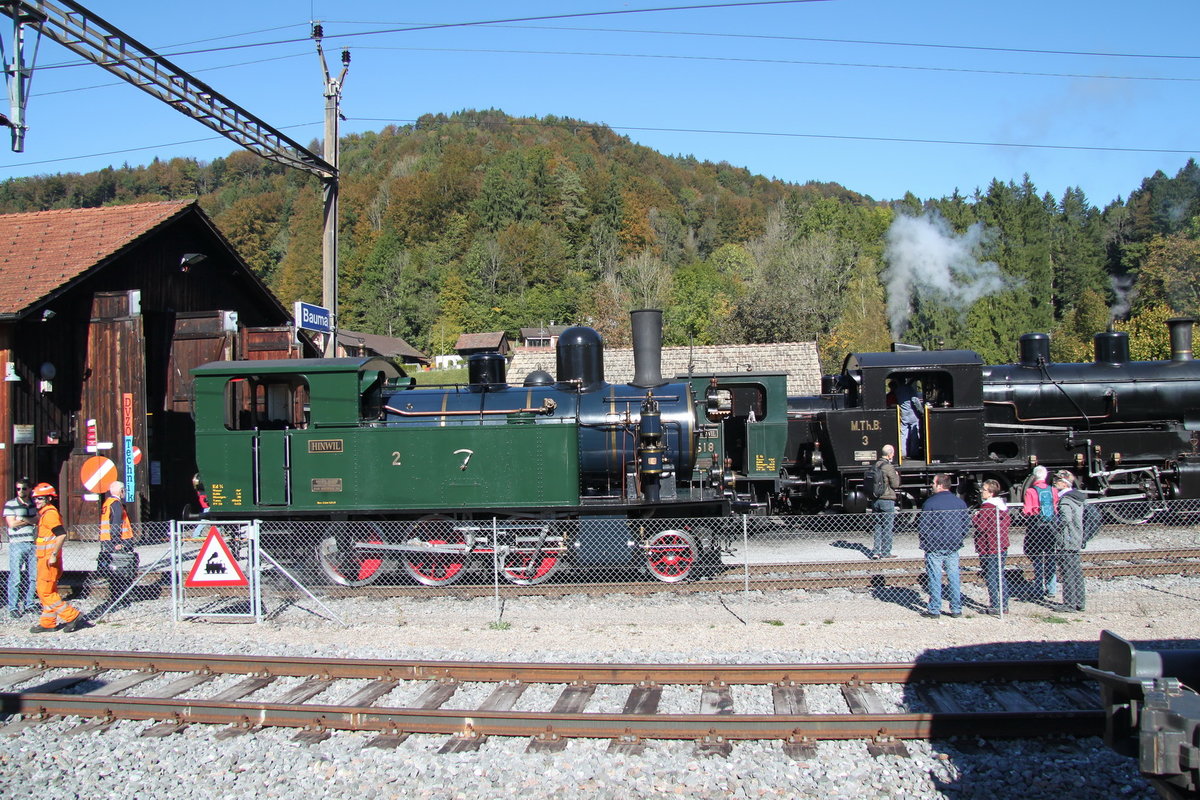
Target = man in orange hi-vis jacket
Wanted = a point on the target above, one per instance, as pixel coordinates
(50, 538)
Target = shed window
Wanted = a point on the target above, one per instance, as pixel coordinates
(270, 403)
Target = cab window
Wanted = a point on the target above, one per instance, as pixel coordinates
(270, 403)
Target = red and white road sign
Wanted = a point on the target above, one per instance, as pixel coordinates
(97, 474)
(137, 455)
(215, 566)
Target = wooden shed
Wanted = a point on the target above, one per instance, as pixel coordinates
(103, 312)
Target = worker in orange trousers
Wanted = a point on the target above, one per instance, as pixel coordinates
(50, 538)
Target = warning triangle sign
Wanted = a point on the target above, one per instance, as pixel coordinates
(215, 566)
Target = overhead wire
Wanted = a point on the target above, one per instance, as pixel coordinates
(791, 62)
(647, 129)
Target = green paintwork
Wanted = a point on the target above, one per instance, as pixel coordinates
(765, 439)
(340, 464)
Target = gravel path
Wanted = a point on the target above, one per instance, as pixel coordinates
(834, 626)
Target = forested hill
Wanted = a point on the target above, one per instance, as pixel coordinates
(479, 221)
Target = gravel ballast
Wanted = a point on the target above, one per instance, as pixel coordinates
(783, 627)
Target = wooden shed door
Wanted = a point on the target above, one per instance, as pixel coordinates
(114, 395)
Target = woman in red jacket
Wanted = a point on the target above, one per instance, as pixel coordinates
(991, 523)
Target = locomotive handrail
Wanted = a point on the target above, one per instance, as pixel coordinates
(1011, 426)
(546, 408)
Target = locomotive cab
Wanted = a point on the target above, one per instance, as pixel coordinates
(950, 418)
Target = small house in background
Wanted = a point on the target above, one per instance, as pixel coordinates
(545, 336)
(103, 313)
(351, 343)
(494, 342)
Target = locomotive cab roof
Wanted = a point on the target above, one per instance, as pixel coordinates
(957, 374)
(300, 365)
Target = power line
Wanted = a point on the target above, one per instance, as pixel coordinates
(642, 128)
(790, 62)
(842, 137)
(647, 129)
(777, 37)
(203, 69)
(477, 23)
(141, 148)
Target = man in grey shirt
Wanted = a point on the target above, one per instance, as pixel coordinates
(20, 515)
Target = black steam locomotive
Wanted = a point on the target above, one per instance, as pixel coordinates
(1127, 428)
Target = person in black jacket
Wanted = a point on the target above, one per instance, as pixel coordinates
(942, 528)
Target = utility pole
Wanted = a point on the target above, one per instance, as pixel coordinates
(329, 184)
(18, 75)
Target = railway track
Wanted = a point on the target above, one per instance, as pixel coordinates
(881, 704)
(813, 575)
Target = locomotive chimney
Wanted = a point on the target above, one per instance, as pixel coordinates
(1181, 337)
(1034, 349)
(1112, 347)
(647, 348)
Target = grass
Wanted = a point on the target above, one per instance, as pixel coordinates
(776, 622)
(439, 377)
(499, 626)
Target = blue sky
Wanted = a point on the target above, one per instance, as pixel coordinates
(882, 97)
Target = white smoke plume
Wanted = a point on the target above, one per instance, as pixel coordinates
(1123, 292)
(924, 253)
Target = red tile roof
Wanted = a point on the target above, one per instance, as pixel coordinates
(44, 250)
(492, 340)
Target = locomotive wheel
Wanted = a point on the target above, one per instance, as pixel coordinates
(1129, 512)
(526, 564)
(433, 568)
(529, 567)
(1134, 511)
(670, 555)
(342, 562)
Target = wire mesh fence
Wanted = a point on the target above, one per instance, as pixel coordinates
(511, 558)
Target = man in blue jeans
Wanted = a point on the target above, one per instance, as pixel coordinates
(20, 515)
(941, 529)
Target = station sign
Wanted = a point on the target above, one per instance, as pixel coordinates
(313, 318)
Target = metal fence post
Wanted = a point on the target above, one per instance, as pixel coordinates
(1002, 597)
(176, 559)
(496, 568)
(746, 554)
(255, 571)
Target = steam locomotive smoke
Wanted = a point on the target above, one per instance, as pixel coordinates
(925, 254)
(1122, 289)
